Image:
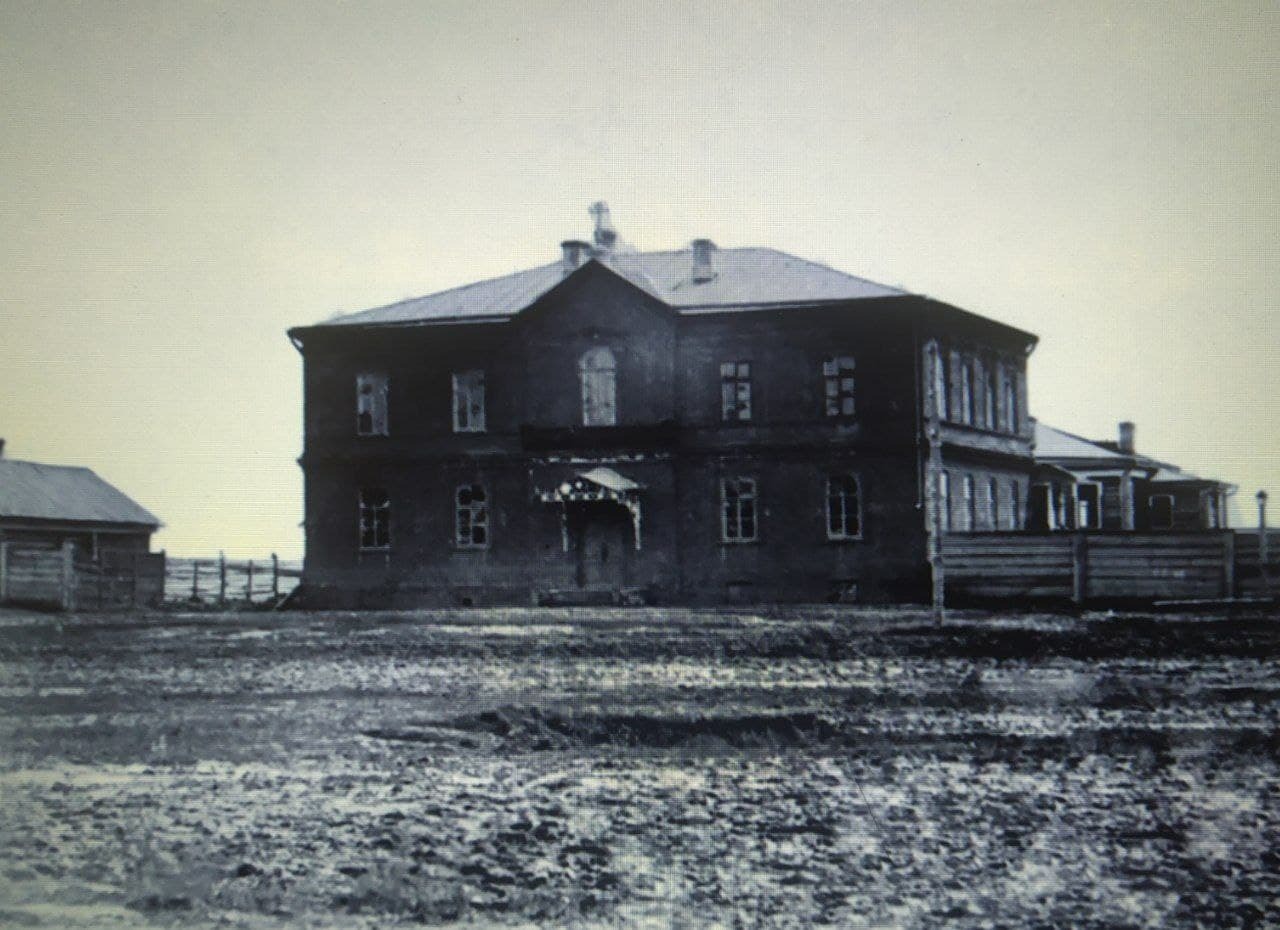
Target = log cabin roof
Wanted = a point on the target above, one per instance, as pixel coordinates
(34, 491)
(744, 278)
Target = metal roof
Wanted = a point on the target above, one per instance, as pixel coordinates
(1055, 444)
(743, 278)
(34, 491)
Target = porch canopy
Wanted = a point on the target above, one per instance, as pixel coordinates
(599, 485)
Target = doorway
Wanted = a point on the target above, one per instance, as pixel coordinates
(602, 545)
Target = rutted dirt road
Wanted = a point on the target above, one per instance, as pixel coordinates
(638, 769)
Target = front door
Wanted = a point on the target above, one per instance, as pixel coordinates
(603, 546)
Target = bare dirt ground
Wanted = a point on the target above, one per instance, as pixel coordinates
(640, 768)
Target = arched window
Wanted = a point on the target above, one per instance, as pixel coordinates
(597, 371)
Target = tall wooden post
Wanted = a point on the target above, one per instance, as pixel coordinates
(248, 585)
(195, 579)
(68, 575)
(1228, 564)
(1263, 554)
(1079, 567)
(933, 502)
(4, 571)
(222, 578)
(275, 577)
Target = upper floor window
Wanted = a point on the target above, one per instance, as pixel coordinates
(988, 397)
(944, 499)
(844, 508)
(837, 373)
(966, 391)
(471, 517)
(939, 383)
(1010, 400)
(735, 390)
(375, 518)
(371, 404)
(738, 510)
(597, 371)
(468, 402)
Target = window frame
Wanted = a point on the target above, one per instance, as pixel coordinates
(598, 384)
(1151, 523)
(843, 535)
(993, 503)
(467, 384)
(751, 497)
(370, 516)
(1014, 494)
(969, 493)
(735, 376)
(1009, 400)
(1096, 522)
(379, 390)
(944, 500)
(839, 384)
(471, 509)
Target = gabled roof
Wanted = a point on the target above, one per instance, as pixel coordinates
(34, 491)
(1057, 445)
(747, 277)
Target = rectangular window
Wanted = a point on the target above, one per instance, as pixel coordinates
(1014, 517)
(738, 510)
(471, 523)
(989, 397)
(969, 511)
(837, 374)
(944, 499)
(1088, 506)
(1010, 400)
(966, 392)
(1160, 511)
(939, 384)
(468, 402)
(375, 518)
(735, 391)
(844, 507)
(993, 504)
(371, 404)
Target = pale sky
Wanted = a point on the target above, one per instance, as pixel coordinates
(179, 184)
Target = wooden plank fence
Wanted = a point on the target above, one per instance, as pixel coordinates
(219, 580)
(1086, 567)
(60, 577)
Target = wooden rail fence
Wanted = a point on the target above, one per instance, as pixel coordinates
(219, 580)
(1083, 567)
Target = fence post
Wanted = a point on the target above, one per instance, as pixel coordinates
(195, 579)
(222, 578)
(68, 575)
(4, 570)
(248, 585)
(1079, 567)
(275, 577)
(1229, 563)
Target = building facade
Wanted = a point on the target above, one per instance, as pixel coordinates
(1108, 485)
(690, 426)
(48, 506)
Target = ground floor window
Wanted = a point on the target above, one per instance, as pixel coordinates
(375, 518)
(1088, 506)
(844, 507)
(1160, 511)
(471, 525)
(993, 504)
(1014, 503)
(738, 510)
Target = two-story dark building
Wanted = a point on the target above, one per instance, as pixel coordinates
(700, 425)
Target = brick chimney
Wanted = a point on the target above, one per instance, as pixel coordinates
(702, 270)
(1125, 439)
(576, 252)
